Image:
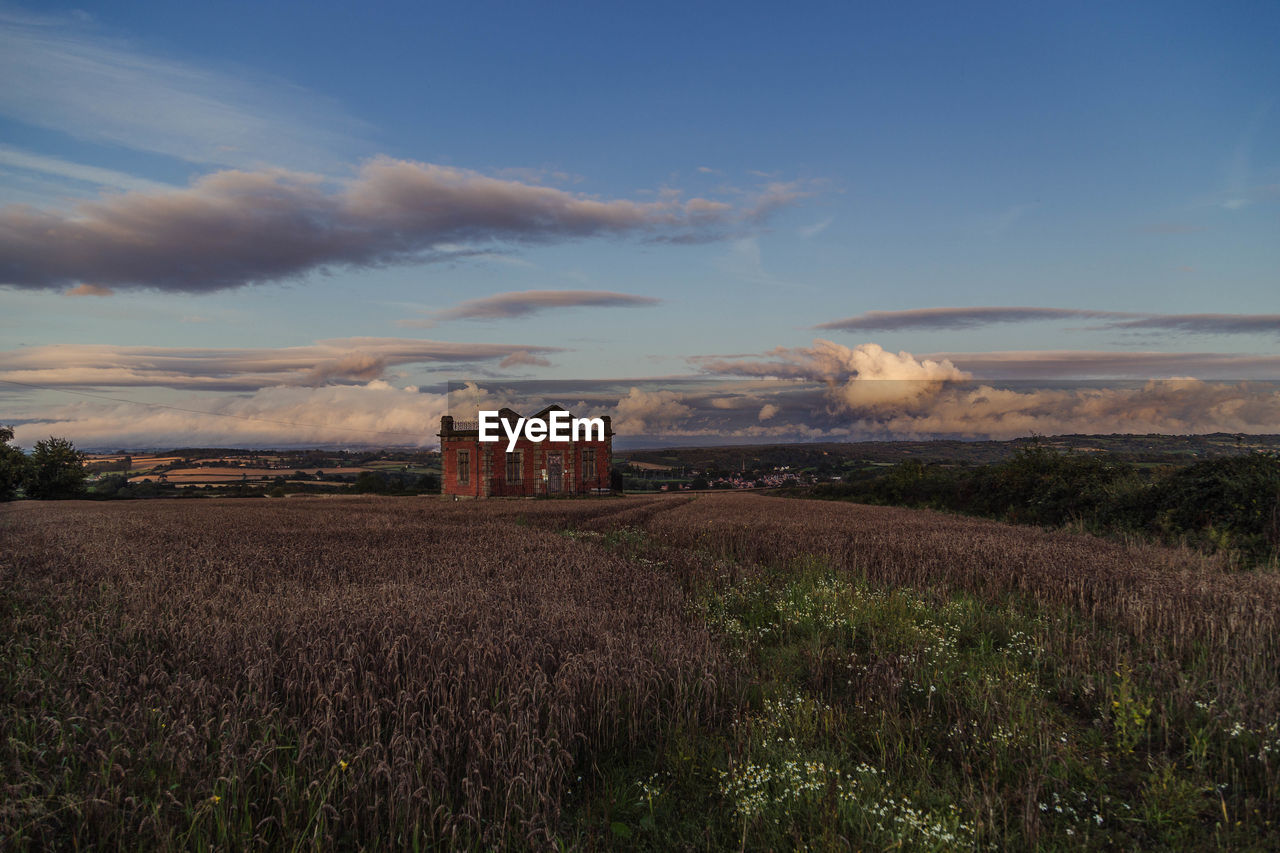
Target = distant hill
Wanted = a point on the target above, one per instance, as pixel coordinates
(1132, 448)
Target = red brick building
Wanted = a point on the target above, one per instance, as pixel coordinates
(477, 469)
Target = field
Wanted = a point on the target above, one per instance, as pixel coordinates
(241, 472)
(676, 672)
(214, 475)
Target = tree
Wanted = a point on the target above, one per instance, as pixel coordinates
(371, 482)
(13, 465)
(56, 470)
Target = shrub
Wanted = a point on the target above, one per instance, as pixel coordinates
(56, 470)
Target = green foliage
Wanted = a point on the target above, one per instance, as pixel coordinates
(56, 470)
(110, 486)
(395, 483)
(13, 465)
(1230, 503)
(371, 482)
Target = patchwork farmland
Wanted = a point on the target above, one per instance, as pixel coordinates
(671, 672)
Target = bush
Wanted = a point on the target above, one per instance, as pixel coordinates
(371, 483)
(13, 465)
(1233, 503)
(1229, 504)
(56, 470)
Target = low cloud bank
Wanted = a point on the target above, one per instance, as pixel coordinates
(823, 392)
(374, 414)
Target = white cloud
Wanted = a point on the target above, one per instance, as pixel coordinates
(78, 172)
(810, 231)
(642, 411)
(375, 414)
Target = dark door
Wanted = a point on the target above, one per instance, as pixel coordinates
(555, 473)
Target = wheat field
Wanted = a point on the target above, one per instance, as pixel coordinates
(667, 672)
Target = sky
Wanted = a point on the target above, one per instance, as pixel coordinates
(293, 224)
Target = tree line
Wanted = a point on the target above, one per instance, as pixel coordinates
(53, 470)
(1229, 503)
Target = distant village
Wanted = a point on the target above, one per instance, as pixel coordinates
(191, 472)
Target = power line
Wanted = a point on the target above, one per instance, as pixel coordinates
(207, 414)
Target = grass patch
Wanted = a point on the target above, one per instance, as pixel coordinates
(876, 717)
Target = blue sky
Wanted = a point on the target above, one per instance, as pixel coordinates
(672, 183)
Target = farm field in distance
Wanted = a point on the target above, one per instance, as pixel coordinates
(711, 671)
(214, 470)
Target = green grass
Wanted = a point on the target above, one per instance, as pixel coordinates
(883, 718)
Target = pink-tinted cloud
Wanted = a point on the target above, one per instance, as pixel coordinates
(956, 318)
(522, 303)
(1096, 364)
(235, 228)
(972, 318)
(341, 360)
(524, 358)
(89, 290)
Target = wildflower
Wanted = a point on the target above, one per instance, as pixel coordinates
(342, 765)
(215, 799)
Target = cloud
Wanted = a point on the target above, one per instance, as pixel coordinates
(644, 411)
(867, 392)
(810, 231)
(776, 195)
(1206, 324)
(663, 411)
(524, 358)
(337, 361)
(372, 414)
(957, 318)
(522, 303)
(829, 360)
(89, 290)
(64, 74)
(1078, 364)
(715, 410)
(972, 318)
(104, 178)
(236, 228)
(1177, 407)
(865, 376)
